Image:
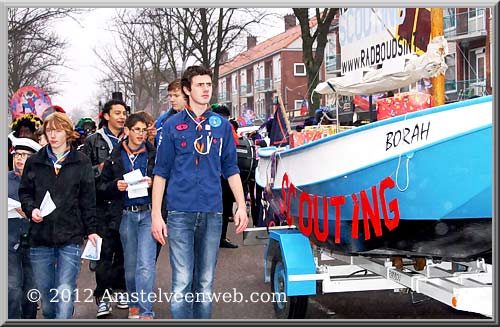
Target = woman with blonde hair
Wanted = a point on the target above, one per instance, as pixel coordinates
(56, 237)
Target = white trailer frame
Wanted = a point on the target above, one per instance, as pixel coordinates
(464, 286)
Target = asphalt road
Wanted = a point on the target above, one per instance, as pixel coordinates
(240, 274)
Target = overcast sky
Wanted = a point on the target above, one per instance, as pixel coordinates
(78, 83)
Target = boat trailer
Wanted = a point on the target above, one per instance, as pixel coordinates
(297, 269)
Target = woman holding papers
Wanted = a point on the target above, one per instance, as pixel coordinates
(57, 193)
(126, 180)
(20, 271)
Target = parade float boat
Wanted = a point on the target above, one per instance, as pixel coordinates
(418, 184)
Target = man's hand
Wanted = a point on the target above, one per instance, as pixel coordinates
(93, 239)
(149, 180)
(21, 212)
(158, 228)
(36, 216)
(121, 185)
(241, 219)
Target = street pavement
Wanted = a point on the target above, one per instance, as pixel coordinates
(240, 271)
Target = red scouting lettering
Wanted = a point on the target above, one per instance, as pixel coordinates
(393, 205)
(374, 215)
(369, 209)
(304, 196)
(321, 235)
(337, 201)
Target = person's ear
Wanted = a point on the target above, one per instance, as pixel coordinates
(126, 130)
(186, 91)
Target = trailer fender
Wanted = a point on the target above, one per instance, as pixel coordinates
(294, 249)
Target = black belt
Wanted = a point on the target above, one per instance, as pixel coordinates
(138, 208)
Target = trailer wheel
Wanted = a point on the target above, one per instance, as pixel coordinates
(286, 307)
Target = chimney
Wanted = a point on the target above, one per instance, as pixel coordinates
(224, 56)
(290, 21)
(251, 42)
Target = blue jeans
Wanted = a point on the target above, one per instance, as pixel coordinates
(193, 240)
(56, 271)
(20, 273)
(139, 252)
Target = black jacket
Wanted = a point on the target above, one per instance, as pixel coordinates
(72, 191)
(113, 171)
(98, 149)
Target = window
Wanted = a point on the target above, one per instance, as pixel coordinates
(277, 68)
(450, 77)
(450, 20)
(298, 104)
(234, 78)
(331, 53)
(299, 69)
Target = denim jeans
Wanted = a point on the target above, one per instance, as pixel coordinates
(20, 273)
(56, 272)
(139, 251)
(193, 240)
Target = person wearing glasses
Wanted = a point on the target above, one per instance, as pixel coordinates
(196, 148)
(21, 278)
(133, 212)
(56, 237)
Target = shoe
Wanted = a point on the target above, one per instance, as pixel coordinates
(103, 309)
(133, 313)
(92, 265)
(121, 301)
(146, 318)
(225, 243)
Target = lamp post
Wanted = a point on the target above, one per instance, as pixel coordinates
(132, 107)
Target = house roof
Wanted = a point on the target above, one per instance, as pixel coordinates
(264, 49)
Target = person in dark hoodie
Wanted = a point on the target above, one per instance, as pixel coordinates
(56, 237)
(109, 271)
(21, 277)
(133, 213)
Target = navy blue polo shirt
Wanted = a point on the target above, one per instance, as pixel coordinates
(193, 171)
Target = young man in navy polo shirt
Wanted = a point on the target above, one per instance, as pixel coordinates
(196, 148)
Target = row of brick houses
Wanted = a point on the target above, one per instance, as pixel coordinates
(255, 77)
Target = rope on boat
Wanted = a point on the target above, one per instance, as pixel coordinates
(408, 157)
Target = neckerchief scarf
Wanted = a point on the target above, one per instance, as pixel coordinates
(133, 155)
(58, 163)
(18, 172)
(114, 139)
(198, 120)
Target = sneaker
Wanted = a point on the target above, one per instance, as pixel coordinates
(133, 313)
(103, 309)
(92, 265)
(121, 301)
(226, 243)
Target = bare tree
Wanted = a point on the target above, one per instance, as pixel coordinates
(136, 59)
(313, 58)
(34, 50)
(176, 42)
(213, 31)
